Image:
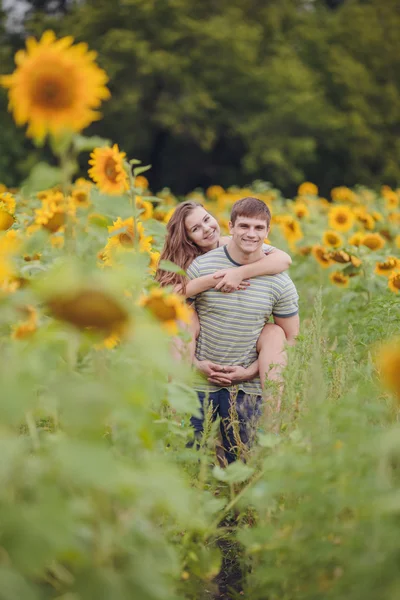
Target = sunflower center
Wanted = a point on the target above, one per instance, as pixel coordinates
(341, 218)
(55, 222)
(396, 281)
(53, 92)
(110, 169)
(126, 239)
(161, 310)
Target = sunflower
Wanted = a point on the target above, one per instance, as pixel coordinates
(394, 282)
(154, 260)
(108, 170)
(56, 86)
(340, 256)
(343, 194)
(388, 363)
(9, 246)
(373, 241)
(214, 192)
(141, 182)
(145, 207)
(27, 327)
(7, 202)
(387, 266)
(307, 189)
(52, 217)
(6, 220)
(169, 309)
(89, 308)
(341, 218)
(340, 279)
(367, 221)
(305, 250)
(291, 229)
(321, 256)
(300, 209)
(125, 235)
(356, 239)
(80, 197)
(333, 239)
(391, 200)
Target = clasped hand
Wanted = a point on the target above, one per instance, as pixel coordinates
(231, 280)
(222, 374)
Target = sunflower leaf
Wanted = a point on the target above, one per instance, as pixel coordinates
(167, 265)
(138, 170)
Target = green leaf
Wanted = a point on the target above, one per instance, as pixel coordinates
(43, 176)
(83, 143)
(138, 170)
(167, 265)
(236, 472)
(268, 440)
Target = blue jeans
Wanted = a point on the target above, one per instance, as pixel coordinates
(248, 411)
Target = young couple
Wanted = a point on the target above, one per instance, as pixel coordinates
(237, 282)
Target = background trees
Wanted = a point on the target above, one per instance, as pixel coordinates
(227, 92)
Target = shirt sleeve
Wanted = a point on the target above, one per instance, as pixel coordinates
(267, 249)
(193, 270)
(287, 305)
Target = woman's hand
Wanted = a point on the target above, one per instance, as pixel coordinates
(231, 280)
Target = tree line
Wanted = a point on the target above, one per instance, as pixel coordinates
(236, 90)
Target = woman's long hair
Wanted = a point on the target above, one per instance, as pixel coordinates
(178, 248)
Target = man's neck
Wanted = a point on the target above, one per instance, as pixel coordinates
(240, 257)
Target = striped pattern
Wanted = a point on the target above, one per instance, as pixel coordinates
(230, 324)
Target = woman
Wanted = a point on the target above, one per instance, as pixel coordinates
(193, 231)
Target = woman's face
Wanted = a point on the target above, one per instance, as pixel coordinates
(202, 229)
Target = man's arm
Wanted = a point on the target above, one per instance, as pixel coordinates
(291, 327)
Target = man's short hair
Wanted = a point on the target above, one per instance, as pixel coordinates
(252, 208)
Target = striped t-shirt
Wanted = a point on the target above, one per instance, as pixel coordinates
(230, 324)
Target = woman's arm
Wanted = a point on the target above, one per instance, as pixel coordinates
(271, 264)
(206, 282)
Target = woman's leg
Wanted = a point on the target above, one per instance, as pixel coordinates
(271, 356)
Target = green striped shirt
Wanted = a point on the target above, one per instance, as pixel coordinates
(230, 324)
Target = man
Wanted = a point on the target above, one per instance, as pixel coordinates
(230, 325)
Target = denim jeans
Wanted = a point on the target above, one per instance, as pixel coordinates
(244, 409)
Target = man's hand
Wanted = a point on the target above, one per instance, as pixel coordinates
(239, 373)
(218, 374)
(231, 280)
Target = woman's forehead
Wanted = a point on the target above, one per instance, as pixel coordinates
(195, 217)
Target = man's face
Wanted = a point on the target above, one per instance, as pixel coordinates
(248, 233)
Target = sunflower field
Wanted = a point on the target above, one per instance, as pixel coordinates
(100, 494)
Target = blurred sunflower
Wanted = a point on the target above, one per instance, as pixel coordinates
(356, 239)
(321, 256)
(56, 86)
(214, 192)
(341, 218)
(168, 308)
(307, 189)
(108, 170)
(301, 210)
(291, 229)
(343, 194)
(367, 221)
(373, 241)
(340, 256)
(154, 260)
(391, 200)
(387, 266)
(80, 197)
(304, 250)
(89, 308)
(333, 239)
(394, 282)
(6, 220)
(7, 202)
(28, 327)
(388, 363)
(145, 208)
(340, 279)
(141, 182)
(9, 247)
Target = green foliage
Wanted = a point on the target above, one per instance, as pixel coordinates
(231, 91)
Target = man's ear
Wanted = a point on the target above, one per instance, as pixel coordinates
(268, 230)
(230, 225)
